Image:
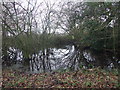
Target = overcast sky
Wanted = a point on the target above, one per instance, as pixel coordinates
(50, 1)
(43, 6)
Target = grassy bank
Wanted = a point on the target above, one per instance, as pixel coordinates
(89, 78)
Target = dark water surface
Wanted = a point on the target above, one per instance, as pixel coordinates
(51, 59)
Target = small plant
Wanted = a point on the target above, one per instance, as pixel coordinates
(11, 74)
(62, 70)
(21, 80)
(40, 78)
(115, 72)
(74, 84)
(118, 85)
(90, 66)
(81, 66)
(9, 85)
(65, 82)
(88, 84)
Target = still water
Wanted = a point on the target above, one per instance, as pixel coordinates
(52, 59)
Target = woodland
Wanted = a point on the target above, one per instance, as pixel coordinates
(34, 30)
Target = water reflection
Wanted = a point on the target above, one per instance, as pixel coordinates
(51, 59)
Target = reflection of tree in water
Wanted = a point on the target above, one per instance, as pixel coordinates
(50, 59)
(41, 62)
(72, 58)
(69, 57)
(11, 57)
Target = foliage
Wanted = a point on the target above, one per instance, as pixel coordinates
(96, 25)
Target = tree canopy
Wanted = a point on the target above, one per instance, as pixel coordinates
(30, 29)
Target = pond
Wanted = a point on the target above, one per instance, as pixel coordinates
(53, 59)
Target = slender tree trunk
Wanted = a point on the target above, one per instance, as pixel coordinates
(43, 61)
